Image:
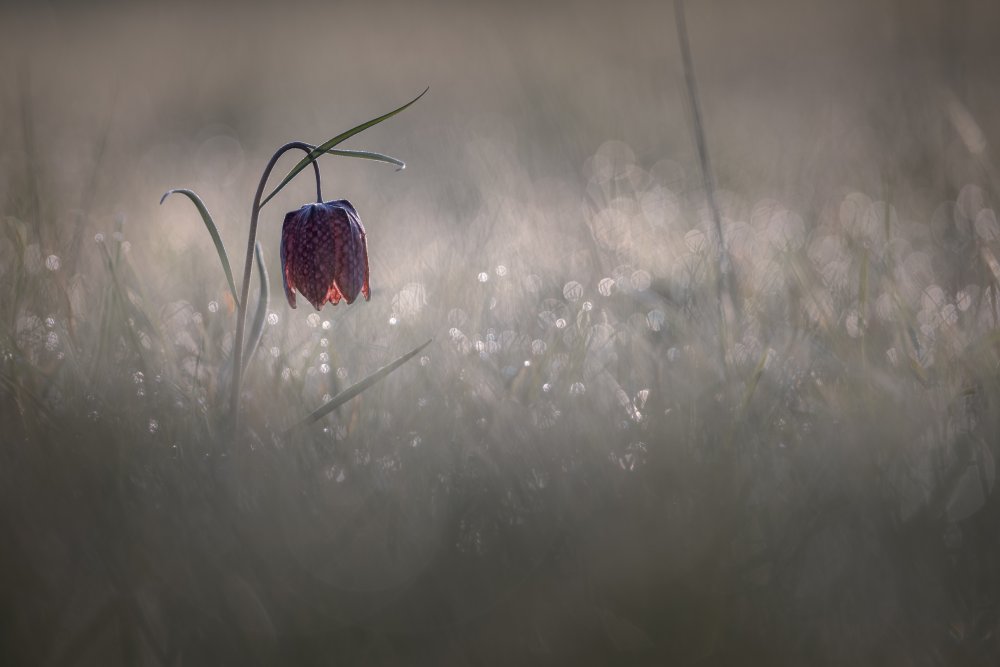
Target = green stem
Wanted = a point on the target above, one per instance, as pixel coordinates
(241, 311)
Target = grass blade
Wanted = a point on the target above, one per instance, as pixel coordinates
(325, 147)
(358, 387)
(369, 155)
(257, 328)
(213, 230)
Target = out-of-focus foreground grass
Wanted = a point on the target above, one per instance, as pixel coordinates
(570, 473)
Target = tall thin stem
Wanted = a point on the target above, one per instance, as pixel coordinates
(724, 280)
(241, 310)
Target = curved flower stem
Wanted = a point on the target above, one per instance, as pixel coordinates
(241, 311)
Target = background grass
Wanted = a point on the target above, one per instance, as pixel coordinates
(569, 473)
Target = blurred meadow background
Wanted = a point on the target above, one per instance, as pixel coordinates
(581, 468)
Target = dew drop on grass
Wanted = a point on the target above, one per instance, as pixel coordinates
(138, 377)
(483, 277)
(425, 360)
(213, 306)
(98, 238)
(853, 324)
(641, 280)
(573, 291)
(950, 315)
(275, 352)
(342, 373)
(501, 270)
(641, 398)
(963, 300)
(326, 399)
(577, 389)
(656, 319)
(606, 286)
(986, 225)
(326, 325)
(932, 298)
(546, 387)
(587, 306)
(695, 240)
(312, 320)
(538, 347)
(286, 373)
(393, 321)
(52, 262)
(154, 426)
(560, 323)
(272, 318)
(50, 322)
(885, 307)
(324, 368)
(323, 356)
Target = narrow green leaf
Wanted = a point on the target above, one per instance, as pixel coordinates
(257, 328)
(368, 155)
(358, 387)
(325, 147)
(213, 231)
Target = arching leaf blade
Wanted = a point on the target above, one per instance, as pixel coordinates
(257, 328)
(369, 155)
(324, 147)
(213, 231)
(359, 387)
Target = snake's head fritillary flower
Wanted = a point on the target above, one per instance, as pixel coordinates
(324, 254)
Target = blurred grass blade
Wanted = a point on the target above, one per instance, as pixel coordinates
(257, 328)
(325, 147)
(126, 308)
(214, 231)
(359, 387)
(369, 155)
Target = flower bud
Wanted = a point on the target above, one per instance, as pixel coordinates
(324, 254)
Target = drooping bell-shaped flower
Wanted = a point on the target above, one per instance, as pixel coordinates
(324, 254)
